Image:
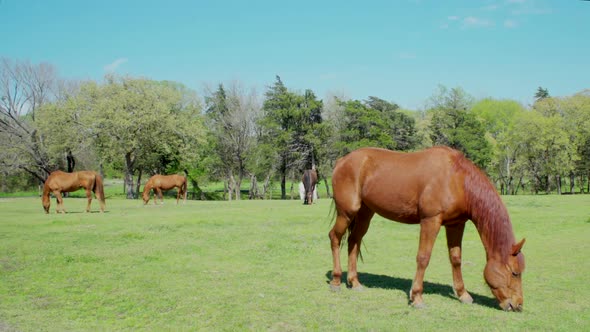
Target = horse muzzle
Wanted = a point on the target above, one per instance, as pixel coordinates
(511, 307)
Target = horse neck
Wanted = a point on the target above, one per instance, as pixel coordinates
(490, 216)
(46, 189)
(147, 187)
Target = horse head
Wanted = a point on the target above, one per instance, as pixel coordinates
(145, 196)
(505, 279)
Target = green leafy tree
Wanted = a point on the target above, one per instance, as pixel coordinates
(546, 149)
(453, 124)
(574, 112)
(498, 118)
(141, 125)
(541, 94)
(289, 123)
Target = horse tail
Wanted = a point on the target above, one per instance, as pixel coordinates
(99, 190)
(347, 236)
(184, 186)
(350, 228)
(306, 185)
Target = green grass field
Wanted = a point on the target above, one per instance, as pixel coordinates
(264, 265)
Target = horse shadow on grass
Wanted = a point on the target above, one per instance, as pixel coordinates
(370, 280)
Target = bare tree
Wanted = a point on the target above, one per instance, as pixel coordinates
(232, 113)
(24, 88)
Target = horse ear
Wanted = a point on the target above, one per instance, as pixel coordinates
(517, 247)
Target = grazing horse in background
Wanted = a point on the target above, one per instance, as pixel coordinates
(433, 188)
(164, 182)
(310, 179)
(59, 182)
(302, 192)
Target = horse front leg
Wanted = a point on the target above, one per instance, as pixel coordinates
(454, 239)
(335, 235)
(59, 206)
(429, 228)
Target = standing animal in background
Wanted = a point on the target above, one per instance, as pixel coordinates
(433, 188)
(59, 182)
(161, 183)
(310, 179)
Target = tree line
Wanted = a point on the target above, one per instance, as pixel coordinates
(135, 127)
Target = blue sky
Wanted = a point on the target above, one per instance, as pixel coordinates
(396, 50)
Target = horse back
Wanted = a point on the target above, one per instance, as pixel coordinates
(405, 187)
(166, 182)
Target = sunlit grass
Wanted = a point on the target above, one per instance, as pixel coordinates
(264, 265)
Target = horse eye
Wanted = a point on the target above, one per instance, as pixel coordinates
(515, 274)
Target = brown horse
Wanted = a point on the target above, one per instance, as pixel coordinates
(164, 182)
(59, 182)
(310, 179)
(433, 188)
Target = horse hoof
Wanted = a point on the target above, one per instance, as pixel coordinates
(466, 298)
(359, 288)
(420, 305)
(334, 288)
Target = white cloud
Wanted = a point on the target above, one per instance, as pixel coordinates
(453, 18)
(490, 7)
(510, 24)
(112, 67)
(407, 56)
(477, 22)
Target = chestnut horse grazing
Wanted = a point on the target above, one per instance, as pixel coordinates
(59, 182)
(164, 182)
(310, 179)
(433, 188)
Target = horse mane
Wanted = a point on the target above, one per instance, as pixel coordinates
(486, 209)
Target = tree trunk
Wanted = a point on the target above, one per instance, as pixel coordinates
(558, 183)
(329, 195)
(71, 162)
(128, 180)
(138, 185)
(266, 187)
(518, 186)
(238, 188)
(253, 192)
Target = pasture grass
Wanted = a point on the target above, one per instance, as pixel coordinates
(264, 265)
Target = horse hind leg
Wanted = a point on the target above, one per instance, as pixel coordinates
(358, 231)
(335, 235)
(89, 197)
